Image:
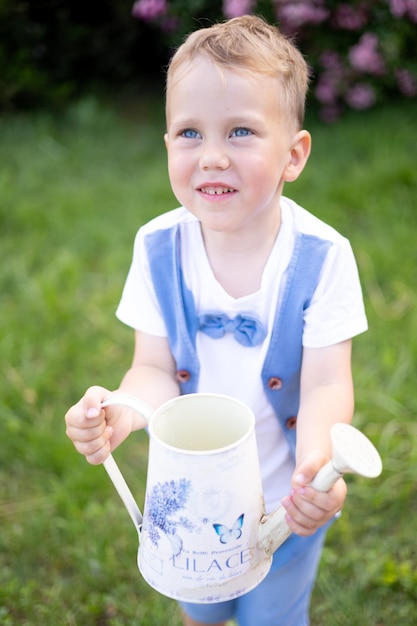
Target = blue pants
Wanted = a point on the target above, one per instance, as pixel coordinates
(282, 598)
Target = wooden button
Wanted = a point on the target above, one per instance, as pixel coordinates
(291, 423)
(275, 383)
(182, 376)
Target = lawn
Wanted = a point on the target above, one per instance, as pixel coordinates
(74, 188)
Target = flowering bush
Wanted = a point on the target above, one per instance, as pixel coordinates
(360, 52)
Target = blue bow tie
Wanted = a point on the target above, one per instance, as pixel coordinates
(246, 329)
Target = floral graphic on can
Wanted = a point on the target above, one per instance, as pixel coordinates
(164, 502)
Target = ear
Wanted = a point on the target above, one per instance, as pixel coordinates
(166, 140)
(298, 155)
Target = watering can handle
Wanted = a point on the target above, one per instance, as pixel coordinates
(123, 490)
(110, 464)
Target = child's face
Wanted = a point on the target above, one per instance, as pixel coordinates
(230, 146)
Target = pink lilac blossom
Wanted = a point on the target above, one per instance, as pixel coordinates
(169, 24)
(365, 57)
(329, 82)
(325, 90)
(412, 10)
(398, 8)
(407, 83)
(148, 10)
(404, 8)
(330, 60)
(360, 96)
(350, 18)
(330, 113)
(297, 13)
(236, 8)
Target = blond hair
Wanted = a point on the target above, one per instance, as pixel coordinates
(249, 43)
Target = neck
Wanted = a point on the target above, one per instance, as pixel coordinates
(238, 258)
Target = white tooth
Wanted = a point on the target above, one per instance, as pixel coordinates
(216, 191)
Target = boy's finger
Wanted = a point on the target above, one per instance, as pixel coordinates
(92, 412)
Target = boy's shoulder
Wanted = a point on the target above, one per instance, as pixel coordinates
(303, 222)
(168, 220)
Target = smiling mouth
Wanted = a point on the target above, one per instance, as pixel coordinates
(216, 191)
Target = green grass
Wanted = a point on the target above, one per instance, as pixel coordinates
(73, 191)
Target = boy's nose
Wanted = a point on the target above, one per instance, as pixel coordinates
(213, 156)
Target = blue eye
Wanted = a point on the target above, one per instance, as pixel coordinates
(241, 132)
(190, 133)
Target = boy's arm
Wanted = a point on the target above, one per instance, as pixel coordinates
(326, 397)
(151, 376)
(94, 431)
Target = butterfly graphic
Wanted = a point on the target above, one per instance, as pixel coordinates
(227, 534)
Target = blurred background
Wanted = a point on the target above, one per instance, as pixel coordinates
(361, 53)
(82, 166)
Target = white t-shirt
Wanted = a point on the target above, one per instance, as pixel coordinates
(336, 313)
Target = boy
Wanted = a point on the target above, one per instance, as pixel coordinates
(242, 292)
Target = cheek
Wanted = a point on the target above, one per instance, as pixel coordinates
(264, 173)
(179, 172)
(179, 167)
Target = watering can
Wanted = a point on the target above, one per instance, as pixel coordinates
(204, 536)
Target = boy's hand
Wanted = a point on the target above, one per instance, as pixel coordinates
(308, 509)
(95, 431)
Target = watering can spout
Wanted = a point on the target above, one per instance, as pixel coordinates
(273, 531)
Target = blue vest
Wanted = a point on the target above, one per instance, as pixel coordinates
(281, 369)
